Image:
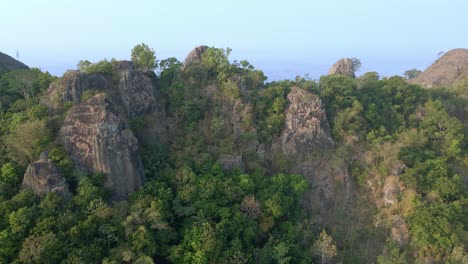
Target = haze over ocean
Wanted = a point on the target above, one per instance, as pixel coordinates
(283, 38)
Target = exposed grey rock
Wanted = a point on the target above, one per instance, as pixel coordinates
(44, 177)
(137, 92)
(343, 67)
(125, 65)
(301, 146)
(99, 141)
(305, 127)
(400, 232)
(195, 55)
(391, 190)
(69, 88)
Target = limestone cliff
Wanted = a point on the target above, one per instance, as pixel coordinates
(98, 140)
(44, 177)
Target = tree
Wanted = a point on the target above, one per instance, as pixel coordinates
(144, 57)
(22, 81)
(324, 247)
(356, 64)
(28, 140)
(411, 74)
(41, 249)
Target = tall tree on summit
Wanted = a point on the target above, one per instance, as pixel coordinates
(144, 57)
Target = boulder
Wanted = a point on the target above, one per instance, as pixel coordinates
(43, 177)
(343, 67)
(195, 55)
(99, 141)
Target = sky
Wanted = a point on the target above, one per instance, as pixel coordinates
(282, 38)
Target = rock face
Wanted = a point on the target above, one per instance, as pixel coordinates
(305, 127)
(399, 231)
(137, 92)
(7, 63)
(195, 55)
(452, 66)
(71, 86)
(43, 177)
(391, 190)
(305, 136)
(98, 141)
(343, 67)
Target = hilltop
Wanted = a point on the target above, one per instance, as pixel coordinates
(447, 70)
(8, 63)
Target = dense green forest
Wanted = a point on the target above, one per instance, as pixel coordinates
(191, 209)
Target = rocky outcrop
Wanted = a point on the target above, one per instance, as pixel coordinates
(302, 144)
(391, 190)
(399, 231)
(449, 68)
(7, 64)
(137, 92)
(305, 127)
(195, 55)
(99, 141)
(44, 177)
(71, 86)
(343, 67)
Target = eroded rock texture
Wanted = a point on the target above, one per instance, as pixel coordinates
(44, 177)
(305, 127)
(137, 92)
(71, 87)
(195, 55)
(302, 145)
(98, 141)
(343, 67)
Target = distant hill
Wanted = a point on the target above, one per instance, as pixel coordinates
(448, 69)
(8, 63)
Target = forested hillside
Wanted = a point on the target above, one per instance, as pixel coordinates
(205, 161)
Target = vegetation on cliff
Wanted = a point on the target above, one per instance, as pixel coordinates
(219, 187)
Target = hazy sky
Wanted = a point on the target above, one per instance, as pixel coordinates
(283, 38)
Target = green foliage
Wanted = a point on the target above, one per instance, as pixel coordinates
(356, 64)
(88, 94)
(191, 211)
(28, 140)
(103, 66)
(144, 57)
(411, 74)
